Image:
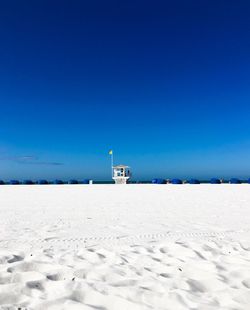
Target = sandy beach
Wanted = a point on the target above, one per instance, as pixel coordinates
(125, 247)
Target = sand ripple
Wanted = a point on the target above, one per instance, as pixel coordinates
(166, 275)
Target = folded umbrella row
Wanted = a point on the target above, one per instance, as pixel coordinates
(43, 182)
(195, 181)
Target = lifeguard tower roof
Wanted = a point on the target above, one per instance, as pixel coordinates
(120, 166)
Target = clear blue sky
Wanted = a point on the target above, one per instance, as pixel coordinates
(165, 84)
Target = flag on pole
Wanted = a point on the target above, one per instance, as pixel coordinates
(111, 152)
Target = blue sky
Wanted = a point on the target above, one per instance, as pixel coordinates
(163, 83)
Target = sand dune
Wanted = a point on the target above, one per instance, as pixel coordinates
(125, 247)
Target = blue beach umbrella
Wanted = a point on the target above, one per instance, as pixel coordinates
(176, 181)
(234, 181)
(159, 181)
(42, 182)
(215, 181)
(73, 182)
(28, 182)
(58, 182)
(194, 181)
(14, 182)
(86, 181)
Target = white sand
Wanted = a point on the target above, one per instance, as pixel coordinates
(125, 247)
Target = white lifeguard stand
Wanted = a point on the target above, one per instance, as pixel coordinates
(121, 174)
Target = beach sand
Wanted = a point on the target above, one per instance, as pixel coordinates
(125, 247)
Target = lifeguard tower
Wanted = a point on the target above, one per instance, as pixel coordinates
(121, 174)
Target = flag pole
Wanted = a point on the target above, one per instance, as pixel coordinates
(112, 164)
